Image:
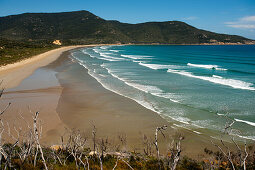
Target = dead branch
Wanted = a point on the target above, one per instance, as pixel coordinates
(116, 163)
(156, 141)
(6, 107)
(127, 164)
(36, 135)
(176, 153)
(156, 138)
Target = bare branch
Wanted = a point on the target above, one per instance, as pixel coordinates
(37, 140)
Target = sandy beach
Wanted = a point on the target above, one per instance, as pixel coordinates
(67, 97)
(13, 74)
(31, 88)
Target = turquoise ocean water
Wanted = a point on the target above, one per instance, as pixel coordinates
(190, 86)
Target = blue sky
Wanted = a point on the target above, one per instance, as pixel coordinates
(221, 16)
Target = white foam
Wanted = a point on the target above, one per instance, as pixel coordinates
(102, 75)
(247, 137)
(216, 67)
(107, 59)
(145, 88)
(217, 76)
(158, 66)
(116, 51)
(197, 132)
(112, 58)
(105, 47)
(96, 50)
(80, 62)
(85, 52)
(182, 127)
(201, 127)
(118, 77)
(136, 57)
(238, 84)
(206, 124)
(111, 72)
(169, 96)
(147, 105)
(182, 120)
(245, 121)
(136, 61)
(214, 137)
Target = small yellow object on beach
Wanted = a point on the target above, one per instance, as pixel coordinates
(57, 42)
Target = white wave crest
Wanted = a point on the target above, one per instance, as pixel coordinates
(238, 84)
(105, 47)
(110, 58)
(216, 67)
(158, 66)
(217, 76)
(116, 51)
(112, 73)
(197, 132)
(96, 50)
(245, 121)
(145, 88)
(247, 137)
(85, 52)
(169, 96)
(182, 120)
(136, 57)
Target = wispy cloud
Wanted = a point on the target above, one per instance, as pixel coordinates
(247, 22)
(190, 18)
(247, 26)
(248, 19)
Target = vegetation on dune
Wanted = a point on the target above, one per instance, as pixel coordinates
(12, 51)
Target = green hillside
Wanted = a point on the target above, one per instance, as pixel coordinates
(85, 27)
(25, 35)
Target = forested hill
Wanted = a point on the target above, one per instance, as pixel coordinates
(83, 27)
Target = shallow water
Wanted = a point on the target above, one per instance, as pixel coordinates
(188, 85)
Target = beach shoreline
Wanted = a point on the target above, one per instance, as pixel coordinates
(75, 91)
(114, 115)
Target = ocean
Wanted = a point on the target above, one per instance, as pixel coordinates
(190, 86)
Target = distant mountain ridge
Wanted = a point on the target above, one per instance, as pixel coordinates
(83, 27)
